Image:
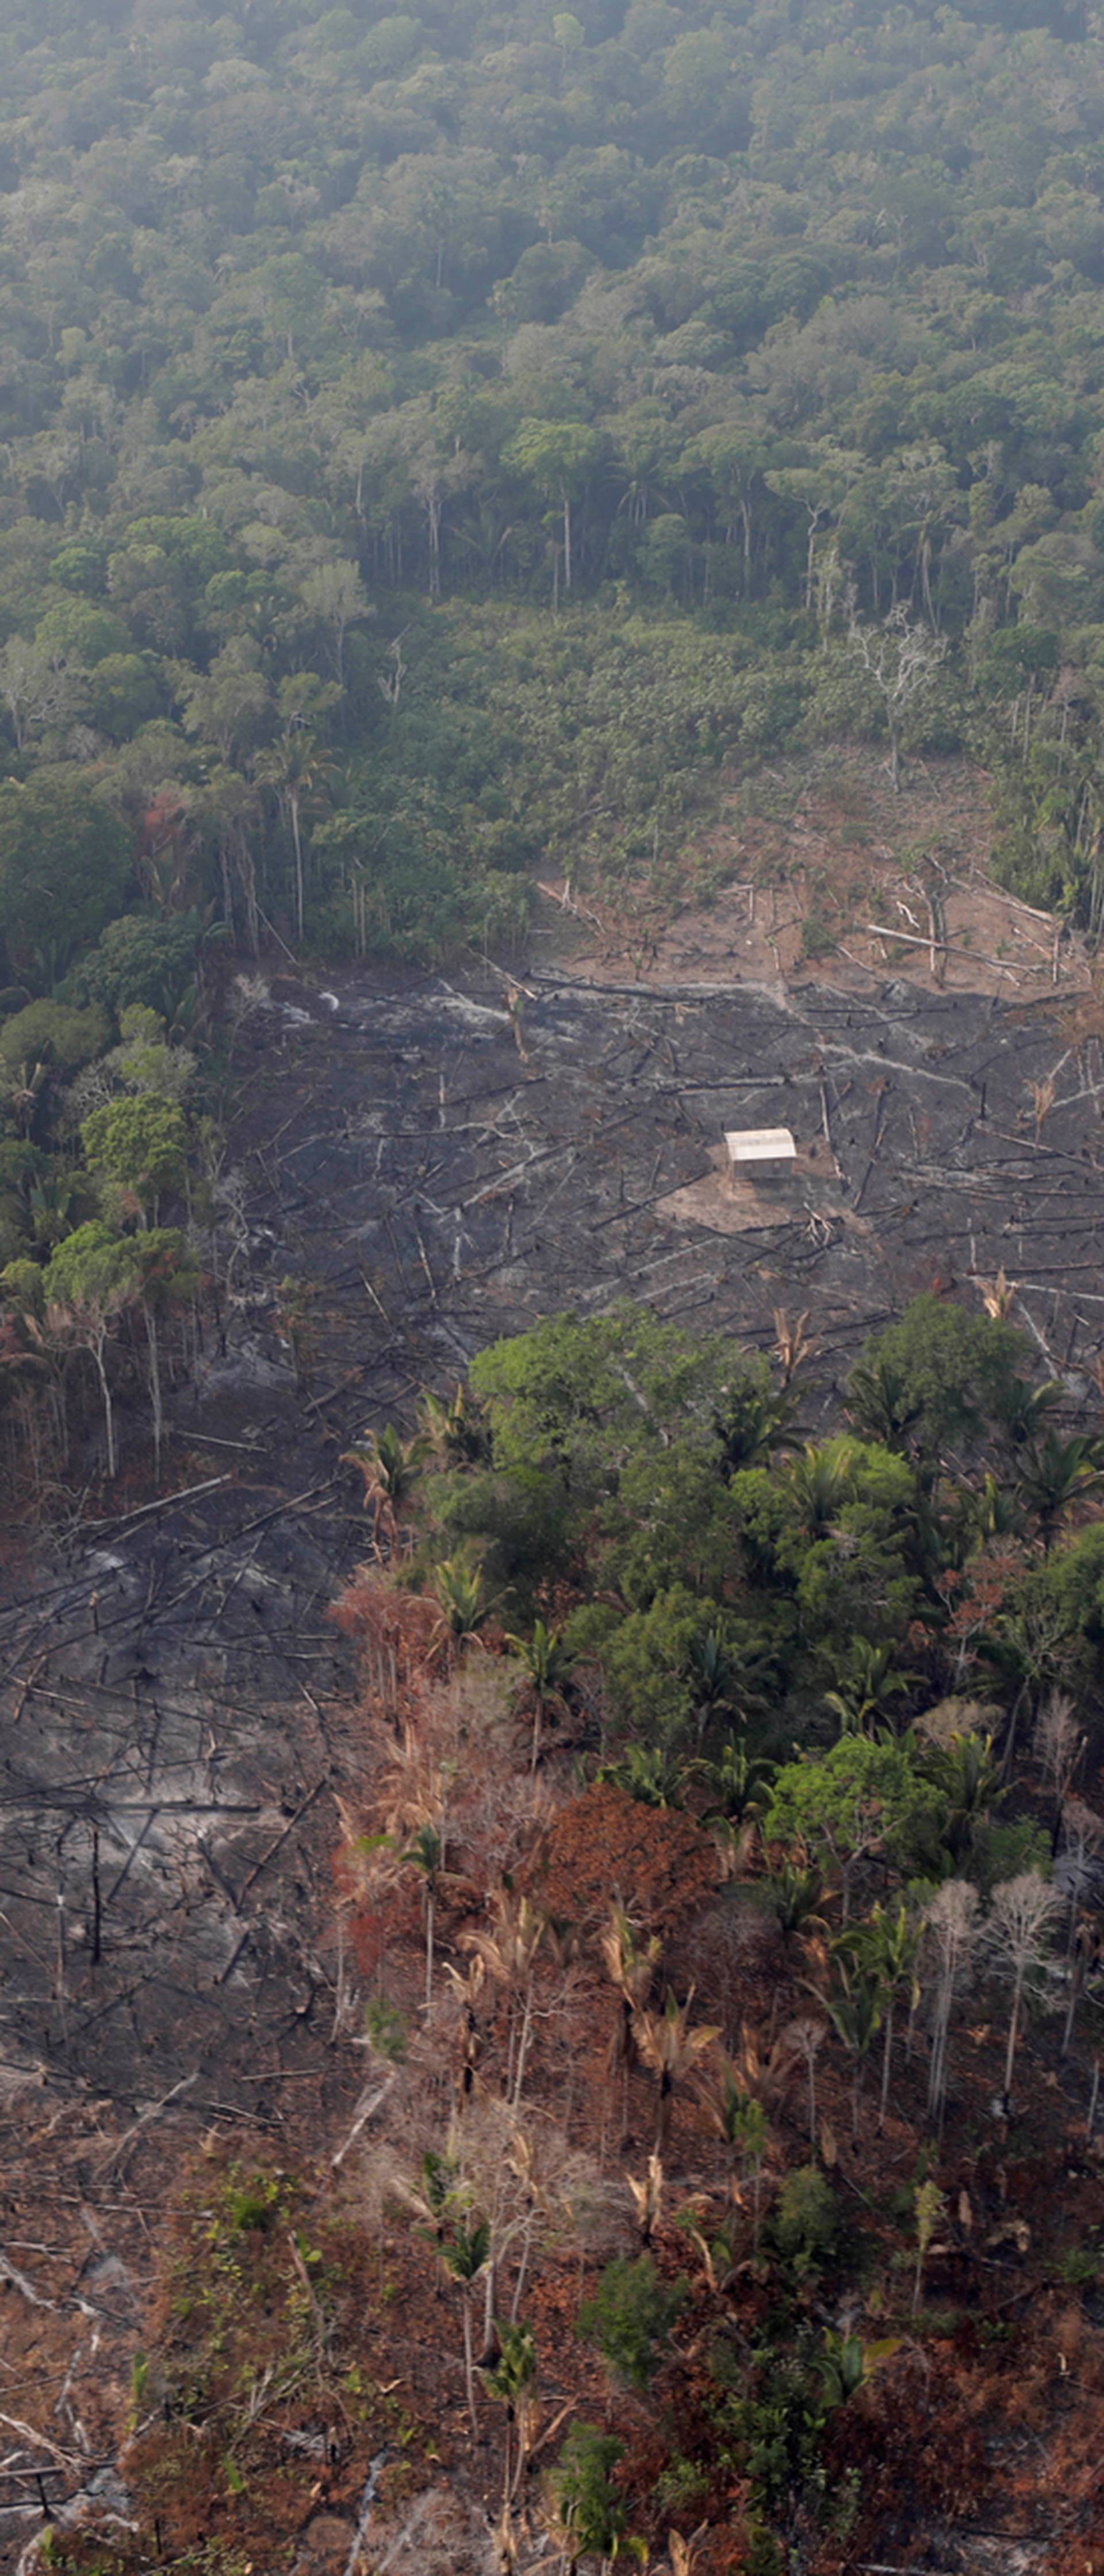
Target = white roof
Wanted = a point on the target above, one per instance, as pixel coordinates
(760, 1145)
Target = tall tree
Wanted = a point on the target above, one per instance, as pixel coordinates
(671, 2046)
(65, 861)
(559, 457)
(90, 1278)
(1023, 1911)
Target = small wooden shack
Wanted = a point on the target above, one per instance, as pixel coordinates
(758, 1154)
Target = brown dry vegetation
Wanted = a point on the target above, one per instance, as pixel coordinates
(818, 873)
(298, 2323)
(269, 2395)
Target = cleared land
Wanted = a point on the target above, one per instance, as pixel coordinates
(443, 1168)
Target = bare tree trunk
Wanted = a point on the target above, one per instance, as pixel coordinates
(156, 1401)
(469, 2363)
(1076, 1980)
(663, 2116)
(109, 1415)
(490, 2302)
(937, 2072)
(887, 2052)
(1013, 2034)
(293, 808)
(523, 2268)
(523, 2043)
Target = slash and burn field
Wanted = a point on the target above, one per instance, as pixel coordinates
(421, 1167)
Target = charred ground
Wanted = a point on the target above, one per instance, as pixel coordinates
(435, 1169)
(418, 1170)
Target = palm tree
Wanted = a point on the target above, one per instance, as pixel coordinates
(807, 2036)
(513, 2381)
(881, 1406)
(1029, 1649)
(646, 1773)
(998, 1296)
(711, 1674)
(412, 1788)
(294, 768)
(969, 1778)
(457, 1433)
(1058, 1474)
(631, 1965)
(820, 1480)
(795, 1893)
(887, 1946)
(719, 1685)
(459, 1588)
(510, 1954)
(751, 1423)
(1024, 1409)
(390, 1467)
(793, 1344)
(843, 2367)
(928, 2205)
(855, 2012)
(866, 1683)
(739, 1784)
(992, 1511)
(548, 1666)
(465, 2254)
(672, 2049)
(426, 1853)
(647, 2199)
(741, 2121)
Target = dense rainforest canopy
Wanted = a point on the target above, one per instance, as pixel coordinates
(433, 442)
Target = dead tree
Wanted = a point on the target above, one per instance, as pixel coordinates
(1017, 1933)
(950, 1924)
(1059, 1743)
(901, 660)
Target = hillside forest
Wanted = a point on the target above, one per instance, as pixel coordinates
(719, 1907)
(444, 457)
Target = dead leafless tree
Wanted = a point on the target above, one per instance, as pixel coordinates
(808, 2038)
(998, 1296)
(793, 1343)
(1017, 1935)
(950, 1929)
(901, 659)
(1059, 1742)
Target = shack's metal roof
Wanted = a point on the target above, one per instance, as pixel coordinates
(760, 1145)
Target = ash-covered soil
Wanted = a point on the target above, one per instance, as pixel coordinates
(440, 1170)
(440, 1165)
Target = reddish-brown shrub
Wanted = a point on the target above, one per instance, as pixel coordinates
(604, 1845)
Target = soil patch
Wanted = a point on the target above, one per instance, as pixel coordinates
(819, 874)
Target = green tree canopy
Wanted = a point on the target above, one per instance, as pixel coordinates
(954, 1372)
(860, 1799)
(139, 1144)
(64, 868)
